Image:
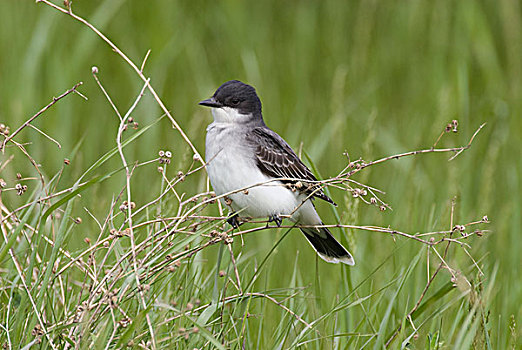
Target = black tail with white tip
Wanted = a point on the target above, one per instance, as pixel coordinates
(328, 248)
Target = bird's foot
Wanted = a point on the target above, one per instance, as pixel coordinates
(275, 218)
(233, 220)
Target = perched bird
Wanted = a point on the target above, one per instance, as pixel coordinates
(241, 151)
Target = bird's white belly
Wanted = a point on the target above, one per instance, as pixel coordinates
(230, 169)
(256, 201)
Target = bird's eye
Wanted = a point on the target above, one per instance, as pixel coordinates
(235, 101)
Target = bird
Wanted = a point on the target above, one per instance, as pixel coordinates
(258, 174)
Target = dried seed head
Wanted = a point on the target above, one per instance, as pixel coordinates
(221, 273)
(18, 176)
(106, 244)
(196, 157)
(20, 189)
(2, 183)
(94, 70)
(66, 161)
(87, 240)
(382, 208)
(484, 218)
(373, 200)
(190, 306)
(78, 220)
(455, 124)
(124, 322)
(135, 125)
(460, 228)
(245, 192)
(37, 330)
(161, 153)
(133, 205)
(130, 120)
(168, 154)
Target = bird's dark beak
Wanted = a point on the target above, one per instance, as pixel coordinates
(211, 102)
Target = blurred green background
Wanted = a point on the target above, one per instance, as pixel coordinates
(373, 78)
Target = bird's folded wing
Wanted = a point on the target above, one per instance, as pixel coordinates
(276, 159)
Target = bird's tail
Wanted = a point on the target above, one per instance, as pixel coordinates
(328, 248)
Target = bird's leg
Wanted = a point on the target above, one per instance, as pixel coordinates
(233, 220)
(275, 218)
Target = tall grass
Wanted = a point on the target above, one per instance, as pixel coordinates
(371, 78)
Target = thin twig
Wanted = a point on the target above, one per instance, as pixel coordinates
(133, 65)
(45, 135)
(55, 99)
(458, 150)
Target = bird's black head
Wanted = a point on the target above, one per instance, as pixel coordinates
(235, 94)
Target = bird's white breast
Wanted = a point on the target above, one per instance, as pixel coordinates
(231, 166)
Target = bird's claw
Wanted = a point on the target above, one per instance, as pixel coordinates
(275, 218)
(233, 220)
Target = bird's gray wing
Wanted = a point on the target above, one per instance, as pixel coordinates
(276, 158)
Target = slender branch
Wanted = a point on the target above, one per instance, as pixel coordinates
(133, 65)
(458, 150)
(55, 99)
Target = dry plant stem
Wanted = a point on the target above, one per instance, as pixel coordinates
(95, 75)
(136, 69)
(40, 200)
(45, 135)
(238, 296)
(457, 150)
(430, 281)
(28, 292)
(7, 161)
(423, 294)
(55, 99)
(129, 206)
(236, 271)
(33, 162)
